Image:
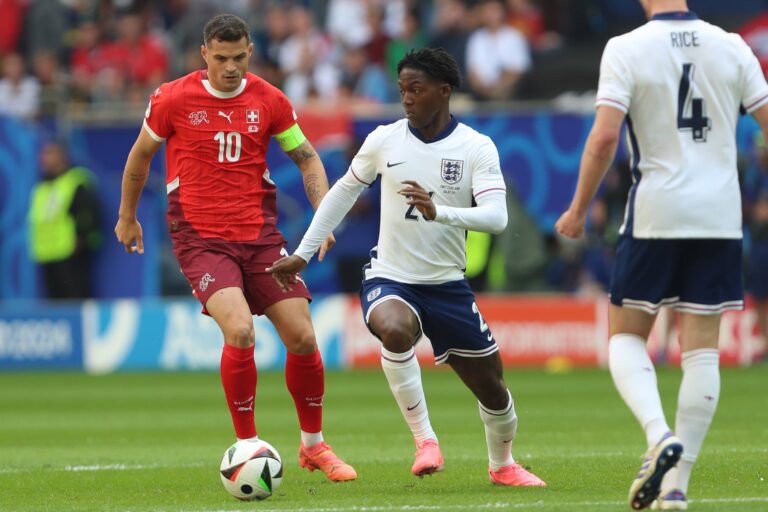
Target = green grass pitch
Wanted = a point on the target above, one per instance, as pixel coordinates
(153, 442)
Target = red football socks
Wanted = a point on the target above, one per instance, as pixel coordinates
(238, 376)
(305, 378)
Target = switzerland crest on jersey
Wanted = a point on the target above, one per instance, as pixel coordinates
(452, 170)
(252, 116)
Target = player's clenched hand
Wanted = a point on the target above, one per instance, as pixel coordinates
(129, 233)
(417, 196)
(286, 271)
(570, 224)
(326, 246)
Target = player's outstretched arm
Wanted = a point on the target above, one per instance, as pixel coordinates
(599, 152)
(315, 182)
(128, 229)
(330, 213)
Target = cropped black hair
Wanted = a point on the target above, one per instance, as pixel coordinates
(225, 27)
(435, 62)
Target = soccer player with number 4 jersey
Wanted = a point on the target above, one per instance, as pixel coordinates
(433, 169)
(222, 215)
(679, 83)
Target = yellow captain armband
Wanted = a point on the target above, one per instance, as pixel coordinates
(291, 138)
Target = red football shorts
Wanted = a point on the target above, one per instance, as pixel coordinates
(211, 264)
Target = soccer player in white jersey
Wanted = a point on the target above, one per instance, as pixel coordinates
(680, 83)
(432, 168)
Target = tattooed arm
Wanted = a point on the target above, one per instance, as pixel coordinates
(312, 171)
(128, 230)
(315, 182)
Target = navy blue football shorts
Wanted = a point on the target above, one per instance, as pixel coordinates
(701, 276)
(447, 314)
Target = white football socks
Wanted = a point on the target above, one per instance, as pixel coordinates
(635, 378)
(696, 404)
(500, 430)
(404, 377)
(311, 438)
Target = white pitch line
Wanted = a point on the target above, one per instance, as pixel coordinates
(101, 467)
(109, 467)
(486, 506)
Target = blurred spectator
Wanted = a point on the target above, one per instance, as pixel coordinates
(497, 54)
(19, 93)
(526, 17)
(346, 22)
(305, 58)
(88, 62)
(47, 25)
(450, 31)
(395, 14)
(362, 79)
(410, 38)
(755, 33)
(121, 71)
(378, 39)
(269, 40)
(11, 23)
(583, 19)
(63, 221)
(184, 21)
(138, 57)
(52, 81)
(755, 196)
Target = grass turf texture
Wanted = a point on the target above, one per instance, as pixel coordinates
(153, 442)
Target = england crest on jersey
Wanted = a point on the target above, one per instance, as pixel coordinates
(452, 170)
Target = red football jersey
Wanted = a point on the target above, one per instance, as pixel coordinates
(216, 143)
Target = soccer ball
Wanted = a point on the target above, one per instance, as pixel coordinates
(251, 470)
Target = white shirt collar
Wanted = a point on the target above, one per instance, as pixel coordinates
(221, 94)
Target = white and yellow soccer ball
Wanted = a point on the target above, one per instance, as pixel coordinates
(251, 470)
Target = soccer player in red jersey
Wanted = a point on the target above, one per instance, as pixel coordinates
(222, 215)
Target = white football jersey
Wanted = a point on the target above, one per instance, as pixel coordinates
(682, 82)
(458, 166)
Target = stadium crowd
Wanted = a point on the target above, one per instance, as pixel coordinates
(96, 52)
(90, 54)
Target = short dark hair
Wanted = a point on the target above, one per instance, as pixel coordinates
(225, 27)
(435, 62)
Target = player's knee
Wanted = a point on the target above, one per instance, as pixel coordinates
(239, 334)
(496, 401)
(301, 343)
(494, 396)
(396, 336)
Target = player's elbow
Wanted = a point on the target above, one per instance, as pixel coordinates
(604, 142)
(499, 223)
